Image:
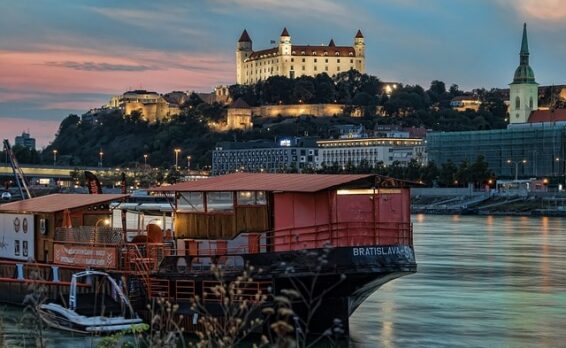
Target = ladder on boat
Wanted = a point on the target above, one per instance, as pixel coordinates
(141, 266)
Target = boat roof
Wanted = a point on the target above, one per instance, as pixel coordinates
(57, 202)
(266, 182)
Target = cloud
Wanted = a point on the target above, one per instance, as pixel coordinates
(539, 10)
(93, 66)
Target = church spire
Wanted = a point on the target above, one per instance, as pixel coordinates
(524, 73)
(524, 47)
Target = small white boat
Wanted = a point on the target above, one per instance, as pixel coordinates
(60, 317)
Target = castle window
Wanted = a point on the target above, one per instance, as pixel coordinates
(337, 68)
(517, 103)
(292, 60)
(338, 60)
(293, 52)
(315, 68)
(303, 68)
(292, 67)
(314, 53)
(531, 103)
(351, 61)
(315, 60)
(337, 53)
(325, 53)
(303, 60)
(326, 68)
(351, 53)
(326, 60)
(303, 53)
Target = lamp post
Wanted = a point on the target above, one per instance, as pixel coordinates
(189, 163)
(516, 163)
(100, 154)
(177, 151)
(144, 161)
(54, 157)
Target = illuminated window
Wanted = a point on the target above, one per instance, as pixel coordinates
(219, 201)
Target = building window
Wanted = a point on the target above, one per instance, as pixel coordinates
(531, 103)
(326, 68)
(326, 60)
(314, 53)
(351, 61)
(315, 60)
(517, 103)
(292, 60)
(338, 60)
(303, 60)
(337, 68)
(315, 68)
(303, 68)
(292, 67)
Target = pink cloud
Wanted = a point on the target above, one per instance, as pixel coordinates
(43, 131)
(540, 10)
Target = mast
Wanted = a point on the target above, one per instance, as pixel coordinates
(18, 173)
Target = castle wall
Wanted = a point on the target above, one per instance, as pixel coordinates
(295, 110)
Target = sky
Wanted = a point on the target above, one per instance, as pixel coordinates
(60, 57)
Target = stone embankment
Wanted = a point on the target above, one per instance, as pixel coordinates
(470, 201)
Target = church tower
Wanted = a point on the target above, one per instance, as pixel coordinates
(243, 51)
(523, 91)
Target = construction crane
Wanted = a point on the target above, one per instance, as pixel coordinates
(18, 173)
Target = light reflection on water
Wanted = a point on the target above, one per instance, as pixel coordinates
(481, 282)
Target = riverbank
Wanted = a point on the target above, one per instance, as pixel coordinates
(469, 202)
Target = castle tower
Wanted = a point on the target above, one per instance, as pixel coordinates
(523, 91)
(285, 43)
(243, 51)
(360, 48)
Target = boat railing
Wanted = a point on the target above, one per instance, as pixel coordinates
(343, 234)
(89, 235)
(37, 273)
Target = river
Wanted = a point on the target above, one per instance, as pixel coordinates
(481, 282)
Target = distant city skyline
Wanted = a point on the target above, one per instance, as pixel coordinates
(58, 57)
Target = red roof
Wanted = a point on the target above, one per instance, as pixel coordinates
(57, 202)
(285, 32)
(359, 34)
(307, 50)
(265, 182)
(548, 116)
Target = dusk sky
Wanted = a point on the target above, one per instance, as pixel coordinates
(59, 57)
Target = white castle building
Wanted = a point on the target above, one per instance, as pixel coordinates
(293, 61)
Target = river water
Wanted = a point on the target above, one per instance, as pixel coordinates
(481, 282)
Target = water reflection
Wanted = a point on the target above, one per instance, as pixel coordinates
(482, 282)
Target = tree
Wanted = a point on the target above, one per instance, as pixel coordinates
(447, 173)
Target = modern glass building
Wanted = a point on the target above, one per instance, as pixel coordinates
(534, 149)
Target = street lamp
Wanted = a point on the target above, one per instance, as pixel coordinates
(54, 157)
(105, 221)
(516, 163)
(189, 163)
(100, 154)
(177, 158)
(145, 161)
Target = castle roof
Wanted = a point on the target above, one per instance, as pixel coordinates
(331, 43)
(240, 103)
(359, 34)
(307, 50)
(285, 32)
(245, 37)
(555, 115)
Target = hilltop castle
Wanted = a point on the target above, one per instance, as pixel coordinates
(293, 61)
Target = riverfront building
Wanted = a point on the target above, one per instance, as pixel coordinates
(287, 59)
(290, 154)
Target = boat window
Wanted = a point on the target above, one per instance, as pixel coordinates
(219, 201)
(190, 201)
(246, 198)
(251, 198)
